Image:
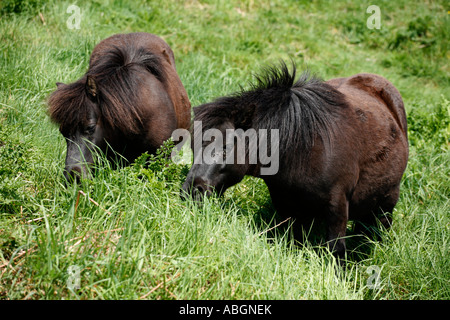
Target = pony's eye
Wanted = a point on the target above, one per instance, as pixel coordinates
(90, 129)
(218, 154)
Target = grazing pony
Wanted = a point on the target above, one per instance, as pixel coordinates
(341, 147)
(130, 100)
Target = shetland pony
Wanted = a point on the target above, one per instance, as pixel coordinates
(342, 147)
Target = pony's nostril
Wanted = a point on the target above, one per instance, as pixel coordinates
(75, 170)
(73, 173)
(200, 189)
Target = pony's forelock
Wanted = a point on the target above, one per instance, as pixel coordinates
(115, 78)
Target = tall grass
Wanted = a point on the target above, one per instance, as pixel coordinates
(127, 234)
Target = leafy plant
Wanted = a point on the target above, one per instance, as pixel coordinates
(20, 6)
(160, 164)
(432, 124)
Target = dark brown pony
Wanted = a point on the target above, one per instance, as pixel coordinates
(342, 148)
(130, 100)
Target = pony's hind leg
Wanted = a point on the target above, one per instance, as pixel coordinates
(386, 207)
(382, 214)
(336, 219)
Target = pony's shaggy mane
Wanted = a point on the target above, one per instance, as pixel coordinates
(301, 110)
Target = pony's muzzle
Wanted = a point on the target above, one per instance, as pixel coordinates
(75, 173)
(197, 189)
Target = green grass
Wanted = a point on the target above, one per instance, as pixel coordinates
(127, 231)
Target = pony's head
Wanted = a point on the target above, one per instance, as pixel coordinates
(104, 108)
(219, 155)
(75, 107)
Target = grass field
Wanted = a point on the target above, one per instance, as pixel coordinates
(126, 234)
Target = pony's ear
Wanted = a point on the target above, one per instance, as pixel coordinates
(168, 57)
(91, 86)
(60, 85)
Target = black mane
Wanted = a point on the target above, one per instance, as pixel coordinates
(301, 110)
(115, 76)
